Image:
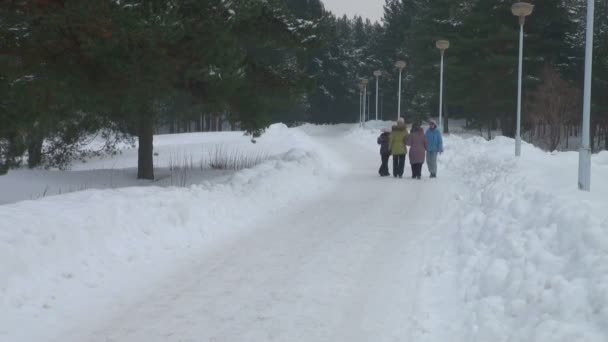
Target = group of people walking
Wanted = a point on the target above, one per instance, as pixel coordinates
(422, 146)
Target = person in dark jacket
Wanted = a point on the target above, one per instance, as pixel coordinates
(385, 152)
(418, 147)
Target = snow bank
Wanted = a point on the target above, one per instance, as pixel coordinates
(101, 245)
(533, 249)
(601, 159)
(180, 160)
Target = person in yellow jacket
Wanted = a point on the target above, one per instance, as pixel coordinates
(398, 148)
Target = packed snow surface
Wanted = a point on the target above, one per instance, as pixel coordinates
(310, 245)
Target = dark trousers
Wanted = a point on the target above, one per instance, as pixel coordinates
(417, 170)
(384, 167)
(398, 165)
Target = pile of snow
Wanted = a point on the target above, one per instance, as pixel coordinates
(532, 248)
(103, 245)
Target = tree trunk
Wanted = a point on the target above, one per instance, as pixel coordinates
(13, 149)
(145, 160)
(34, 151)
(507, 125)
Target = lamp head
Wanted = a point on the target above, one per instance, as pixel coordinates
(522, 9)
(442, 44)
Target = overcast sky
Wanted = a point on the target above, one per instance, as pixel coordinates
(366, 8)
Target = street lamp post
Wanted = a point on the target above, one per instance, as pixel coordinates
(382, 105)
(364, 82)
(399, 65)
(584, 159)
(442, 45)
(360, 86)
(377, 73)
(520, 10)
(369, 101)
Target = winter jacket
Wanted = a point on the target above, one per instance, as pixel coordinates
(418, 146)
(383, 141)
(398, 139)
(434, 139)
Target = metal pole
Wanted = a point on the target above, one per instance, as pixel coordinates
(584, 161)
(519, 85)
(369, 100)
(360, 106)
(382, 106)
(376, 98)
(441, 96)
(399, 103)
(364, 101)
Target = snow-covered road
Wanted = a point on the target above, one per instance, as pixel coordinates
(350, 266)
(312, 245)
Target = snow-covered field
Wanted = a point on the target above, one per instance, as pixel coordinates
(180, 160)
(308, 246)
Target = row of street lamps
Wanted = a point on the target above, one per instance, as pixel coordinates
(442, 45)
(520, 10)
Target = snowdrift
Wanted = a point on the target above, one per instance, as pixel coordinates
(532, 248)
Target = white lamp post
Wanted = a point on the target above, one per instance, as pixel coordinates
(399, 65)
(584, 160)
(369, 101)
(377, 73)
(520, 10)
(364, 82)
(442, 45)
(360, 86)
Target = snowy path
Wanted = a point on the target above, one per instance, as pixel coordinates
(352, 266)
(300, 248)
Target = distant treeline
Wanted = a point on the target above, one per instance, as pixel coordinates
(70, 68)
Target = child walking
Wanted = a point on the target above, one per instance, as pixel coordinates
(385, 152)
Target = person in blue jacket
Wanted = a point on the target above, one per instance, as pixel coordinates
(435, 146)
